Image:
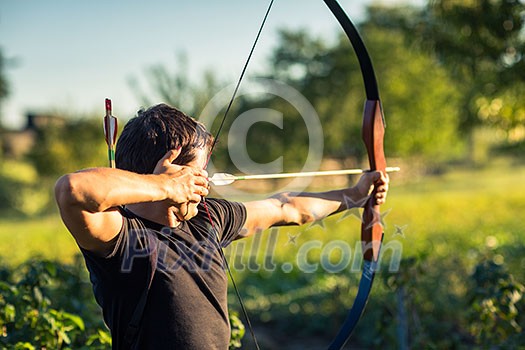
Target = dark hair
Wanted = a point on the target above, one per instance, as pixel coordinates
(147, 137)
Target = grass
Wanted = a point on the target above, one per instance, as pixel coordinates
(442, 215)
(445, 214)
(46, 237)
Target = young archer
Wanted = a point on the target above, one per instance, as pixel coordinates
(147, 216)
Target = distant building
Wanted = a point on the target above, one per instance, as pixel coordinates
(17, 143)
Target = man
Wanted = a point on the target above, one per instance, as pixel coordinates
(152, 246)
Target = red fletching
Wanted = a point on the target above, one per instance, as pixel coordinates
(108, 107)
(110, 125)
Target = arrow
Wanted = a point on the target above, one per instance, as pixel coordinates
(110, 133)
(222, 179)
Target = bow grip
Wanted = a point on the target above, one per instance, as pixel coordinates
(373, 132)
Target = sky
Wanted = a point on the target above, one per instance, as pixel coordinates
(69, 55)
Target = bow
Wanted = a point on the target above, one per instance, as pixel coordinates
(373, 133)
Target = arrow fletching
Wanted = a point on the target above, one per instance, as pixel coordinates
(222, 179)
(110, 133)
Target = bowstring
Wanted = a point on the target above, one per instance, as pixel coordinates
(239, 82)
(219, 130)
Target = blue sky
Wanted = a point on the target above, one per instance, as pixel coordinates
(71, 55)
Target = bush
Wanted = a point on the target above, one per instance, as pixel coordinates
(34, 298)
(496, 298)
(49, 305)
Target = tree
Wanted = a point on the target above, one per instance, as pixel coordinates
(68, 146)
(175, 87)
(482, 44)
(419, 98)
(4, 85)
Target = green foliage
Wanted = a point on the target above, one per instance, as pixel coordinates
(68, 147)
(237, 331)
(61, 146)
(429, 303)
(420, 100)
(448, 222)
(483, 39)
(29, 318)
(441, 70)
(482, 44)
(22, 192)
(419, 97)
(4, 84)
(495, 298)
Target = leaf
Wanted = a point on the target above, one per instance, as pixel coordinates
(101, 337)
(22, 346)
(9, 313)
(51, 268)
(77, 320)
(64, 336)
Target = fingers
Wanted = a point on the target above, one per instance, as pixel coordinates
(181, 211)
(170, 156)
(201, 184)
(185, 184)
(193, 182)
(166, 161)
(202, 177)
(381, 187)
(374, 183)
(200, 191)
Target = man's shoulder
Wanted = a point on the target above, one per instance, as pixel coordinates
(222, 205)
(228, 217)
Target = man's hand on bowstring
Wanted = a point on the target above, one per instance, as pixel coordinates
(184, 183)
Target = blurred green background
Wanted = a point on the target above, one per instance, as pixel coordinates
(451, 76)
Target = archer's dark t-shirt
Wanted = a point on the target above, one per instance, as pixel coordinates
(186, 306)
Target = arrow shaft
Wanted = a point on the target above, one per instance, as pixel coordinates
(309, 174)
(304, 174)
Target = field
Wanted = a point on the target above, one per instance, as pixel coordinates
(459, 210)
(297, 281)
(445, 226)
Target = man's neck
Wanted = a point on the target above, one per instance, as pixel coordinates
(156, 212)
